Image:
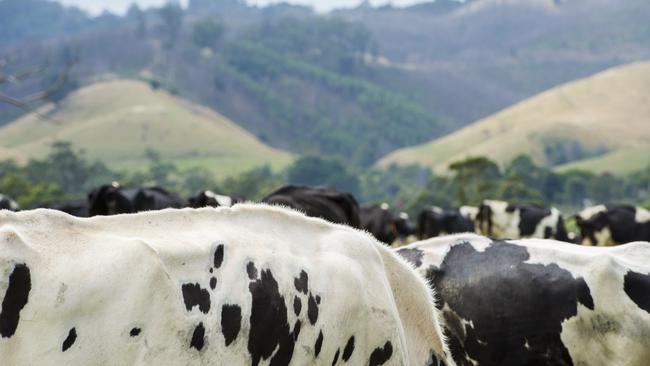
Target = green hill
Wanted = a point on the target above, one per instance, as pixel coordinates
(600, 123)
(117, 121)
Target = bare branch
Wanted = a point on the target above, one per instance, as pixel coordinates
(24, 103)
(14, 79)
(54, 87)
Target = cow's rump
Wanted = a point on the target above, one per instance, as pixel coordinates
(539, 302)
(230, 286)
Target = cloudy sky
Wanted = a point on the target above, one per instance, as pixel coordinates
(120, 6)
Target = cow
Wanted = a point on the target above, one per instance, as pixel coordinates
(384, 225)
(245, 285)
(211, 199)
(613, 224)
(435, 221)
(499, 219)
(469, 211)
(112, 199)
(326, 203)
(538, 301)
(7, 203)
(79, 209)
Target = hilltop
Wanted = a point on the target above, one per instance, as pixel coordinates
(117, 121)
(355, 83)
(600, 123)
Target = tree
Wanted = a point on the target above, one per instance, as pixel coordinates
(395, 185)
(160, 172)
(63, 176)
(534, 177)
(606, 188)
(315, 171)
(29, 194)
(207, 32)
(513, 189)
(440, 191)
(476, 179)
(575, 187)
(172, 21)
(69, 171)
(69, 56)
(253, 184)
(135, 14)
(197, 179)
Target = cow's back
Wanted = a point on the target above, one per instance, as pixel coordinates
(247, 285)
(539, 301)
(326, 203)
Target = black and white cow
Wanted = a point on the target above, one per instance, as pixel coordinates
(79, 209)
(211, 199)
(539, 302)
(385, 225)
(7, 203)
(606, 225)
(247, 285)
(113, 199)
(499, 219)
(435, 221)
(326, 203)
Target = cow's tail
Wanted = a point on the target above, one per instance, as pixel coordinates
(561, 233)
(421, 320)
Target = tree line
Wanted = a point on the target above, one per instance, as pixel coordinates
(66, 176)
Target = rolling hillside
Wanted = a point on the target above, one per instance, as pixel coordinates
(500, 52)
(600, 123)
(116, 121)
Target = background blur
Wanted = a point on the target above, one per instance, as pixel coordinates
(445, 102)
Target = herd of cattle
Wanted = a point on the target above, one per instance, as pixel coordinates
(602, 225)
(266, 284)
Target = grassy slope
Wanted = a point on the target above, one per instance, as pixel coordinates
(608, 110)
(620, 161)
(117, 121)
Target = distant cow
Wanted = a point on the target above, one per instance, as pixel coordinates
(498, 219)
(605, 225)
(7, 203)
(326, 203)
(435, 221)
(248, 285)
(385, 225)
(539, 302)
(211, 199)
(113, 199)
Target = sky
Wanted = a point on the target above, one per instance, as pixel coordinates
(95, 7)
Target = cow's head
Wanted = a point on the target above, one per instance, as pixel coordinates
(403, 225)
(211, 199)
(108, 200)
(198, 201)
(7, 203)
(594, 228)
(430, 222)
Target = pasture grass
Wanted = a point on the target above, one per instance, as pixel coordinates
(609, 112)
(118, 121)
